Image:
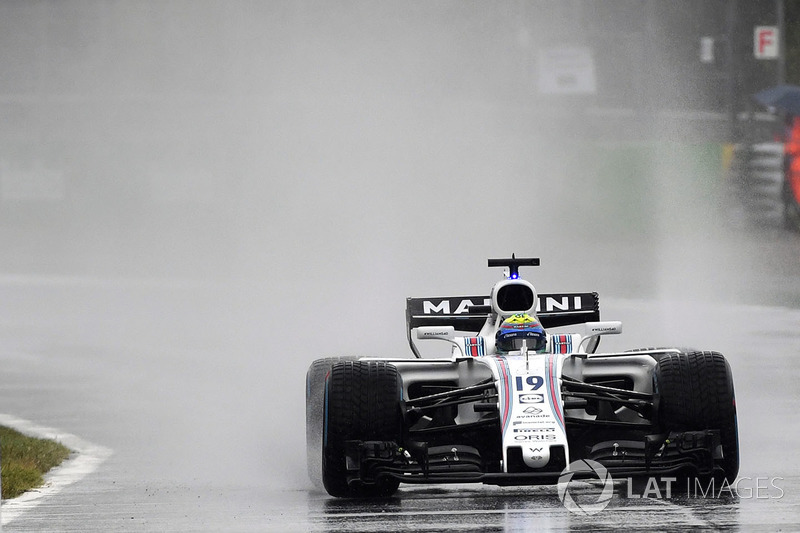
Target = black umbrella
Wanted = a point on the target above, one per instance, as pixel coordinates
(784, 97)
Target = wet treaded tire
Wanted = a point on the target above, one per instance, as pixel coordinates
(696, 393)
(362, 403)
(315, 397)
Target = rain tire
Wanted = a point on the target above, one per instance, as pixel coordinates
(361, 403)
(315, 397)
(696, 393)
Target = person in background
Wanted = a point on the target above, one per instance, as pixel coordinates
(791, 163)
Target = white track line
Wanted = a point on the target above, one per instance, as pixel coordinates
(86, 458)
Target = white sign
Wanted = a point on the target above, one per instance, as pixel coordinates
(566, 70)
(765, 42)
(706, 49)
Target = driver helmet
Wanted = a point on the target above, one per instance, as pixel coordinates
(520, 328)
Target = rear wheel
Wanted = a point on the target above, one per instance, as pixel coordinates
(696, 393)
(315, 396)
(361, 403)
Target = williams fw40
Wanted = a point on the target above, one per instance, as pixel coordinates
(524, 394)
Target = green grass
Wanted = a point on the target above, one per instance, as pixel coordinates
(24, 460)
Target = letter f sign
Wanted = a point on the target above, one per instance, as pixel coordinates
(765, 41)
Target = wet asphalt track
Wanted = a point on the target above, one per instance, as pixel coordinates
(206, 436)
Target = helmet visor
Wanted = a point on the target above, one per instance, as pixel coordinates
(535, 343)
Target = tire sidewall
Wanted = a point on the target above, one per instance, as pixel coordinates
(315, 397)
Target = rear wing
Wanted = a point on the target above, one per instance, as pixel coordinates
(553, 310)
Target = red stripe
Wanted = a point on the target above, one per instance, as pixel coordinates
(553, 396)
(561, 340)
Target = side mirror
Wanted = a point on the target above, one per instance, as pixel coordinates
(447, 333)
(595, 329)
(612, 327)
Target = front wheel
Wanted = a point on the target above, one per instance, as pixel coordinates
(315, 396)
(361, 403)
(696, 393)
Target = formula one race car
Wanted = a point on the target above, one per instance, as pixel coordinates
(515, 404)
